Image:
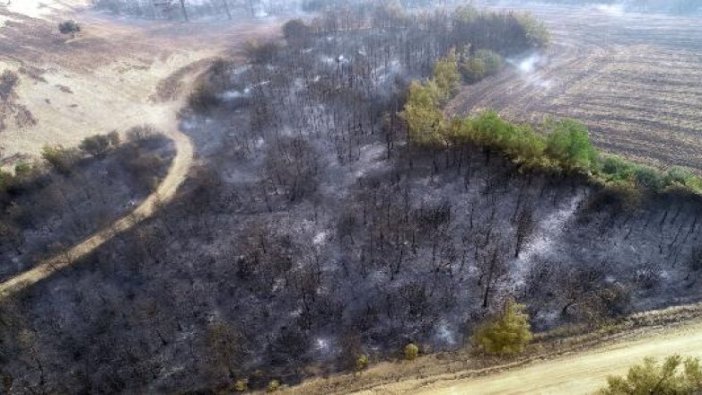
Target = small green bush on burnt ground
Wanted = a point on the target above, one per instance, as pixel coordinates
(507, 333)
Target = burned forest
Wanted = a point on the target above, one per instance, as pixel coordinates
(337, 213)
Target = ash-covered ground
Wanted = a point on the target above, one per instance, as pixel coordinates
(311, 233)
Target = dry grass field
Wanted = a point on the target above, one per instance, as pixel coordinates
(112, 76)
(634, 79)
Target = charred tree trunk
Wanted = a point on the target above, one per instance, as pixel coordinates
(185, 11)
(226, 8)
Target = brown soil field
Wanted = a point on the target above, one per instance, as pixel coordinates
(634, 79)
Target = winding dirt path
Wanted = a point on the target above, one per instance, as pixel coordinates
(166, 190)
(116, 74)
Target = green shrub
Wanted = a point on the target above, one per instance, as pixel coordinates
(411, 352)
(61, 159)
(446, 77)
(422, 114)
(674, 377)
(203, 99)
(241, 385)
(508, 333)
(483, 63)
(273, 386)
(648, 178)
(615, 168)
(683, 177)
(295, 30)
(5, 180)
(99, 145)
(361, 362)
(261, 52)
(473, 70)
(536, 32)
(568, 143)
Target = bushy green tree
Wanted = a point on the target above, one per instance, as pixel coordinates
(536, 32)
(362, 362)
(507, 333)
(569, 143)
(5, 179)
(273, 386)
(483, 63)
(674, 377)
(446, 77)
(473, 70)
(422, 114)
(60, 158)
(98, 145)
(411, 352)
(648, 178)
(616, 168)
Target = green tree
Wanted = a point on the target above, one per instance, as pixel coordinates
(361, 362)
(493, 60)
(536, 32)
(649, 178)
(60, 158)
(422, 114)
(273, 386)
(411, 352)
(447, 77)
(473, 70)
(482, 64)
(508, 333)
(569, 144)
(97, 146)
(674, 377)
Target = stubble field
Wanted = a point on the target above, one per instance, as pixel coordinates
(634, 79)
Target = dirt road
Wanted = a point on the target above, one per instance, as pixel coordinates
(575, 373)
(165, 191)
(116, 75)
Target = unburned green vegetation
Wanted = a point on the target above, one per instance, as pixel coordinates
(507, 333)
(674, 376)
(561, 146)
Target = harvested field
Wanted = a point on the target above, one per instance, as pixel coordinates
(634, 79)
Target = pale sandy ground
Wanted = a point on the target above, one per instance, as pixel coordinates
(575, 365)
(112, 68)
(112, 81)
(577, 373)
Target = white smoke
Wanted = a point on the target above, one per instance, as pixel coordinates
(529, 68)
(614, 10)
